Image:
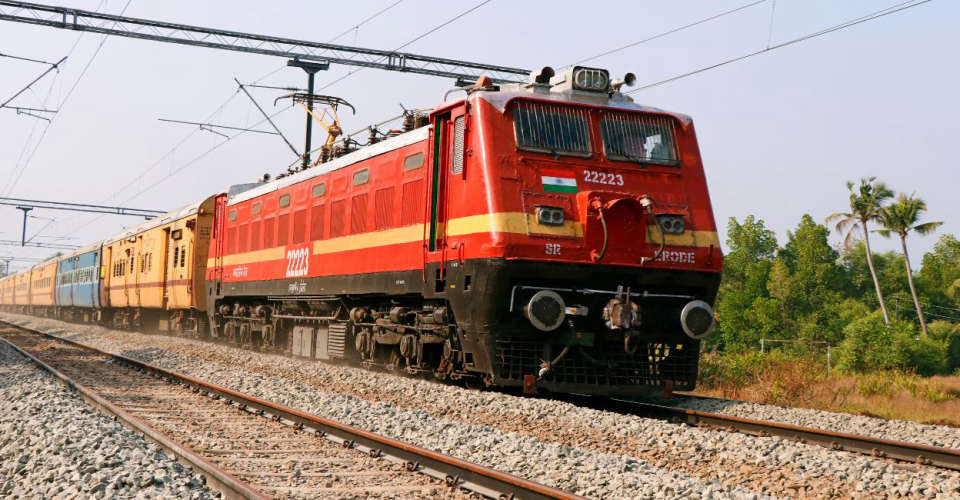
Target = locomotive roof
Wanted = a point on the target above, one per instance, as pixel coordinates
(384, 146)
(501, 98)
(157, 221)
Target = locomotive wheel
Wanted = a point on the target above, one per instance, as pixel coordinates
(245, 332)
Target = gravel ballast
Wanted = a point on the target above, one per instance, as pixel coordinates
(589, 452)
(52, 444)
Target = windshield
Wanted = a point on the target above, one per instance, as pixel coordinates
(552, 129)
(639, 138)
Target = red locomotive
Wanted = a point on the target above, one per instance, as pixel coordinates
(551, 234)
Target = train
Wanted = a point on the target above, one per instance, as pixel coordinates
(548, 236)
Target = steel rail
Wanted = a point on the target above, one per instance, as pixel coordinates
(216, 477)
(457, 473)
(935, 456)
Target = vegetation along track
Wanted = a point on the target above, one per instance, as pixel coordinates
(946, 458)
(251, 448)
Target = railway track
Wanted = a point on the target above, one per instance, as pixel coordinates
(251, 448)
(945, 458)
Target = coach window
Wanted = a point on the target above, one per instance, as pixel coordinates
(319, 190)
(176, 256)
(284, 201)
(361, 177)
(413, 161)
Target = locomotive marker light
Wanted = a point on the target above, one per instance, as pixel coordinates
(672, 224)
(550, 216)
(697, 319)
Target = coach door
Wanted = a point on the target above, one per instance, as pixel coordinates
(447, 161)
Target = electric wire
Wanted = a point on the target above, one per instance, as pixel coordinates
(369, 18)
(26, 164)
(230, 99)
(668, 32)
(846, 24)
(219, 109)
(418, 38)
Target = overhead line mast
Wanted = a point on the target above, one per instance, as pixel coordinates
(83, 20)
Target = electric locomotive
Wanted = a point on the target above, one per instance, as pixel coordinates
(550, 236)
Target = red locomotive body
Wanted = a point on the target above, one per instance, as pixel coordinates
(550, 235)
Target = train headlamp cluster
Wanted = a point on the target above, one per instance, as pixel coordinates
(672, 224)
(550, 216)
(591, 79)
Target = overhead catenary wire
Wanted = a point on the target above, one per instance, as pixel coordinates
(668, 32)
(16, 178)
(417, 38)
(846, 24)
(234, 95)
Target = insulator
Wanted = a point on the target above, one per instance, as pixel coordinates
(372, 137)
(421, 120)
(409, 121)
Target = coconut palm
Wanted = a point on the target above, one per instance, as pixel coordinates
(902, 217)
(866, 203)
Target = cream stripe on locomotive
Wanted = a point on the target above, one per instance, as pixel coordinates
(503, 222)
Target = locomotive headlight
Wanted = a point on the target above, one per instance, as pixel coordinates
(697, 320)
(672, 224)
(546, 310)
(550, 216)
(591, 79)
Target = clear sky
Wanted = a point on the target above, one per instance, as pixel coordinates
(780, 132)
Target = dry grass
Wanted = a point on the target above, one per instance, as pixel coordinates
(804, 382)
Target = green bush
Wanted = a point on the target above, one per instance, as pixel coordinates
(947, 334)
(871, 345)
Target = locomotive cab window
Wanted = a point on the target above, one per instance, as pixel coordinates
(413, 161)
(552, 129)
(640, 139)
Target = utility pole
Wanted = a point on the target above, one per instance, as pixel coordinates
(311, 68)
(23, 239)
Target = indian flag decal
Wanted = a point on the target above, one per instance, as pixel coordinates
(558, 181)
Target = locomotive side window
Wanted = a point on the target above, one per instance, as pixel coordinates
(319, 190)
(232, 216)
(256, 208)
(647, 139)
(361, 177)
(552, 129)
(284, 201)
(413, 161)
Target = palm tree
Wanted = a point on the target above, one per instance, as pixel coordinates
(866, 204)
(901, 217)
